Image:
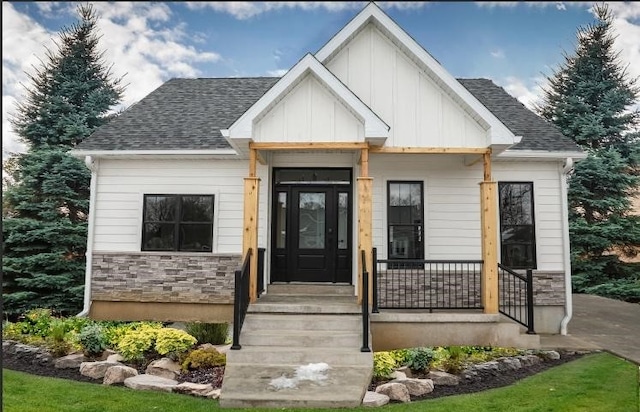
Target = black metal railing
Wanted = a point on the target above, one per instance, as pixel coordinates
(515, 296)
(426, 284)
(364, 292)
(241, 299)
(261, 251)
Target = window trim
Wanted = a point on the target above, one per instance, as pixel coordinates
(177, 222)
(534, 238)
(388, 222)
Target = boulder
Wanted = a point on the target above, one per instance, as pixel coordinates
(117, 374)
(165, 368)
(195, 389)
(95, 370)
(397, 375)
(395, 391)
(116, 357)
(374, 399)
(72, 361)
(106, 353)
(491, 366)
(214, 394)
(510, 363)
(406, 370)
(529, 360)
(443, 378)
(146, 382)
(551, 354)
(417, 387)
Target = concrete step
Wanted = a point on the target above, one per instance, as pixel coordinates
(319, 289)
(298, 322)
(344, 307)
(249, 386)
(302, 338)
(283, 355)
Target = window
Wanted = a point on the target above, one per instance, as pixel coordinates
(517, 229)
(405, 220)
(178, 222)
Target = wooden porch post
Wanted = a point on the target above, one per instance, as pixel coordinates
(250, 224)
(365, 184)
(489, 230)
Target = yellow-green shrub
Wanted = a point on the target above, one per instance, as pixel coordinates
(383, 364)
(147, 339)
(204, 358)
(136, 343)
(173, 341)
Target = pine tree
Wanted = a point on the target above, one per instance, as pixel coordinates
(590, 98)
(46, 199)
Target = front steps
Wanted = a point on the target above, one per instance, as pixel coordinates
(294, 326)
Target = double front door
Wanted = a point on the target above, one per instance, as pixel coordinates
(311, 232)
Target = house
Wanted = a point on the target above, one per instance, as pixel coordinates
(369, 143)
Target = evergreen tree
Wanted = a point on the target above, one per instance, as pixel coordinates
(590, 98)
(46, 199)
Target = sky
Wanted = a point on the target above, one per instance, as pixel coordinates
(515, 44)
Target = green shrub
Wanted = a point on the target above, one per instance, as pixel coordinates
(401, 356)
(383, 364)
(170, 341)
(37, 322)
(419, 359)
(115, 331)
(92, 339)
(204, 358)
(214, 333)
(136, 343)
(621, 289)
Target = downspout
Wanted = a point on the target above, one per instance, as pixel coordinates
(568, 166)
(92, 164)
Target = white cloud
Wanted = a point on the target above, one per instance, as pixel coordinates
(560, 6)
(140, 40)
(243, 10)
(498, 54)
(277, 72)
(527, 95)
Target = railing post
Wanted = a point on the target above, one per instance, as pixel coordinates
(236, 311)
(260, 270)
(530, 326)
(365, 305)
(374, 280)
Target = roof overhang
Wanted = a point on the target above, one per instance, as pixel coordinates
(156, 154)
(541, 155)
(240, 132)
(499, 134)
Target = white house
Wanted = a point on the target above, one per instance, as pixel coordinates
(367, 143)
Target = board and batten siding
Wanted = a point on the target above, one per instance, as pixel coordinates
(452, 203)
(418, 111)
(122, 185)
(309, 113)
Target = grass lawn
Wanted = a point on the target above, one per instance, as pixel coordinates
(599, 382)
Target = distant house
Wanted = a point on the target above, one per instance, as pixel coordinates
(367, 143)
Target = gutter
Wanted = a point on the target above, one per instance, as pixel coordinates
(92, 164)
(568, 166)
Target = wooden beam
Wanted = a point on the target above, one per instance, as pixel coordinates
(260, 158)
(489, 230)
(252, 162)
(365, 228)
(364, 163)
(250, 231)
(430, 150)
(487, 166)
(309, 146)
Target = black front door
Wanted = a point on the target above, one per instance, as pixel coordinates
(311, 233)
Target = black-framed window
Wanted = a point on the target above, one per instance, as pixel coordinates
(178, 222)
(517, 225)
(405, 220)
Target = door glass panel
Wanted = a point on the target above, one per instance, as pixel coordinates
(281, 221)
(343, 216)
(311, 221)
(405, 214)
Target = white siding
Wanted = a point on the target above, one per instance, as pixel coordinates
(418, 111)
(309, 113)
(123, 183)
(452, 204)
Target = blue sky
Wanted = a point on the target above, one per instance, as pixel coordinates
(514, 44)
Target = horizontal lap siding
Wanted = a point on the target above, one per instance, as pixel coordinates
(122, 184)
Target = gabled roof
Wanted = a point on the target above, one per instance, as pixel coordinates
(537, 134)
(500, 134)
(181, 114)
(374, 127)
(187, 114)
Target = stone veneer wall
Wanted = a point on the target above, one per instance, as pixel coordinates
(163, 277)
(548, 288)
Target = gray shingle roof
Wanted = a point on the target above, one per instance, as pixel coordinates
(187, 114)
(181, 114)
(537, 133)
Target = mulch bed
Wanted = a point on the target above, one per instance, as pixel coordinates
(214, 376)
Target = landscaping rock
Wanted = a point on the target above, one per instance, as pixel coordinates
(95, 370)
(72, 361)
(551, 354)
(374, 399)
(443, 378)
(195, 389)
(106, 353)
(116, 357)
(529, 360)
(165, 368)
(417, 387)
(146, 382)
(406, 370)
(35, 355)
(397, 375)
(395, 391)
(118, 374)
(214, 394)
(491, 366)
(510, 363)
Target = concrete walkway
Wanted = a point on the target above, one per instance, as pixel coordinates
(601, 323)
